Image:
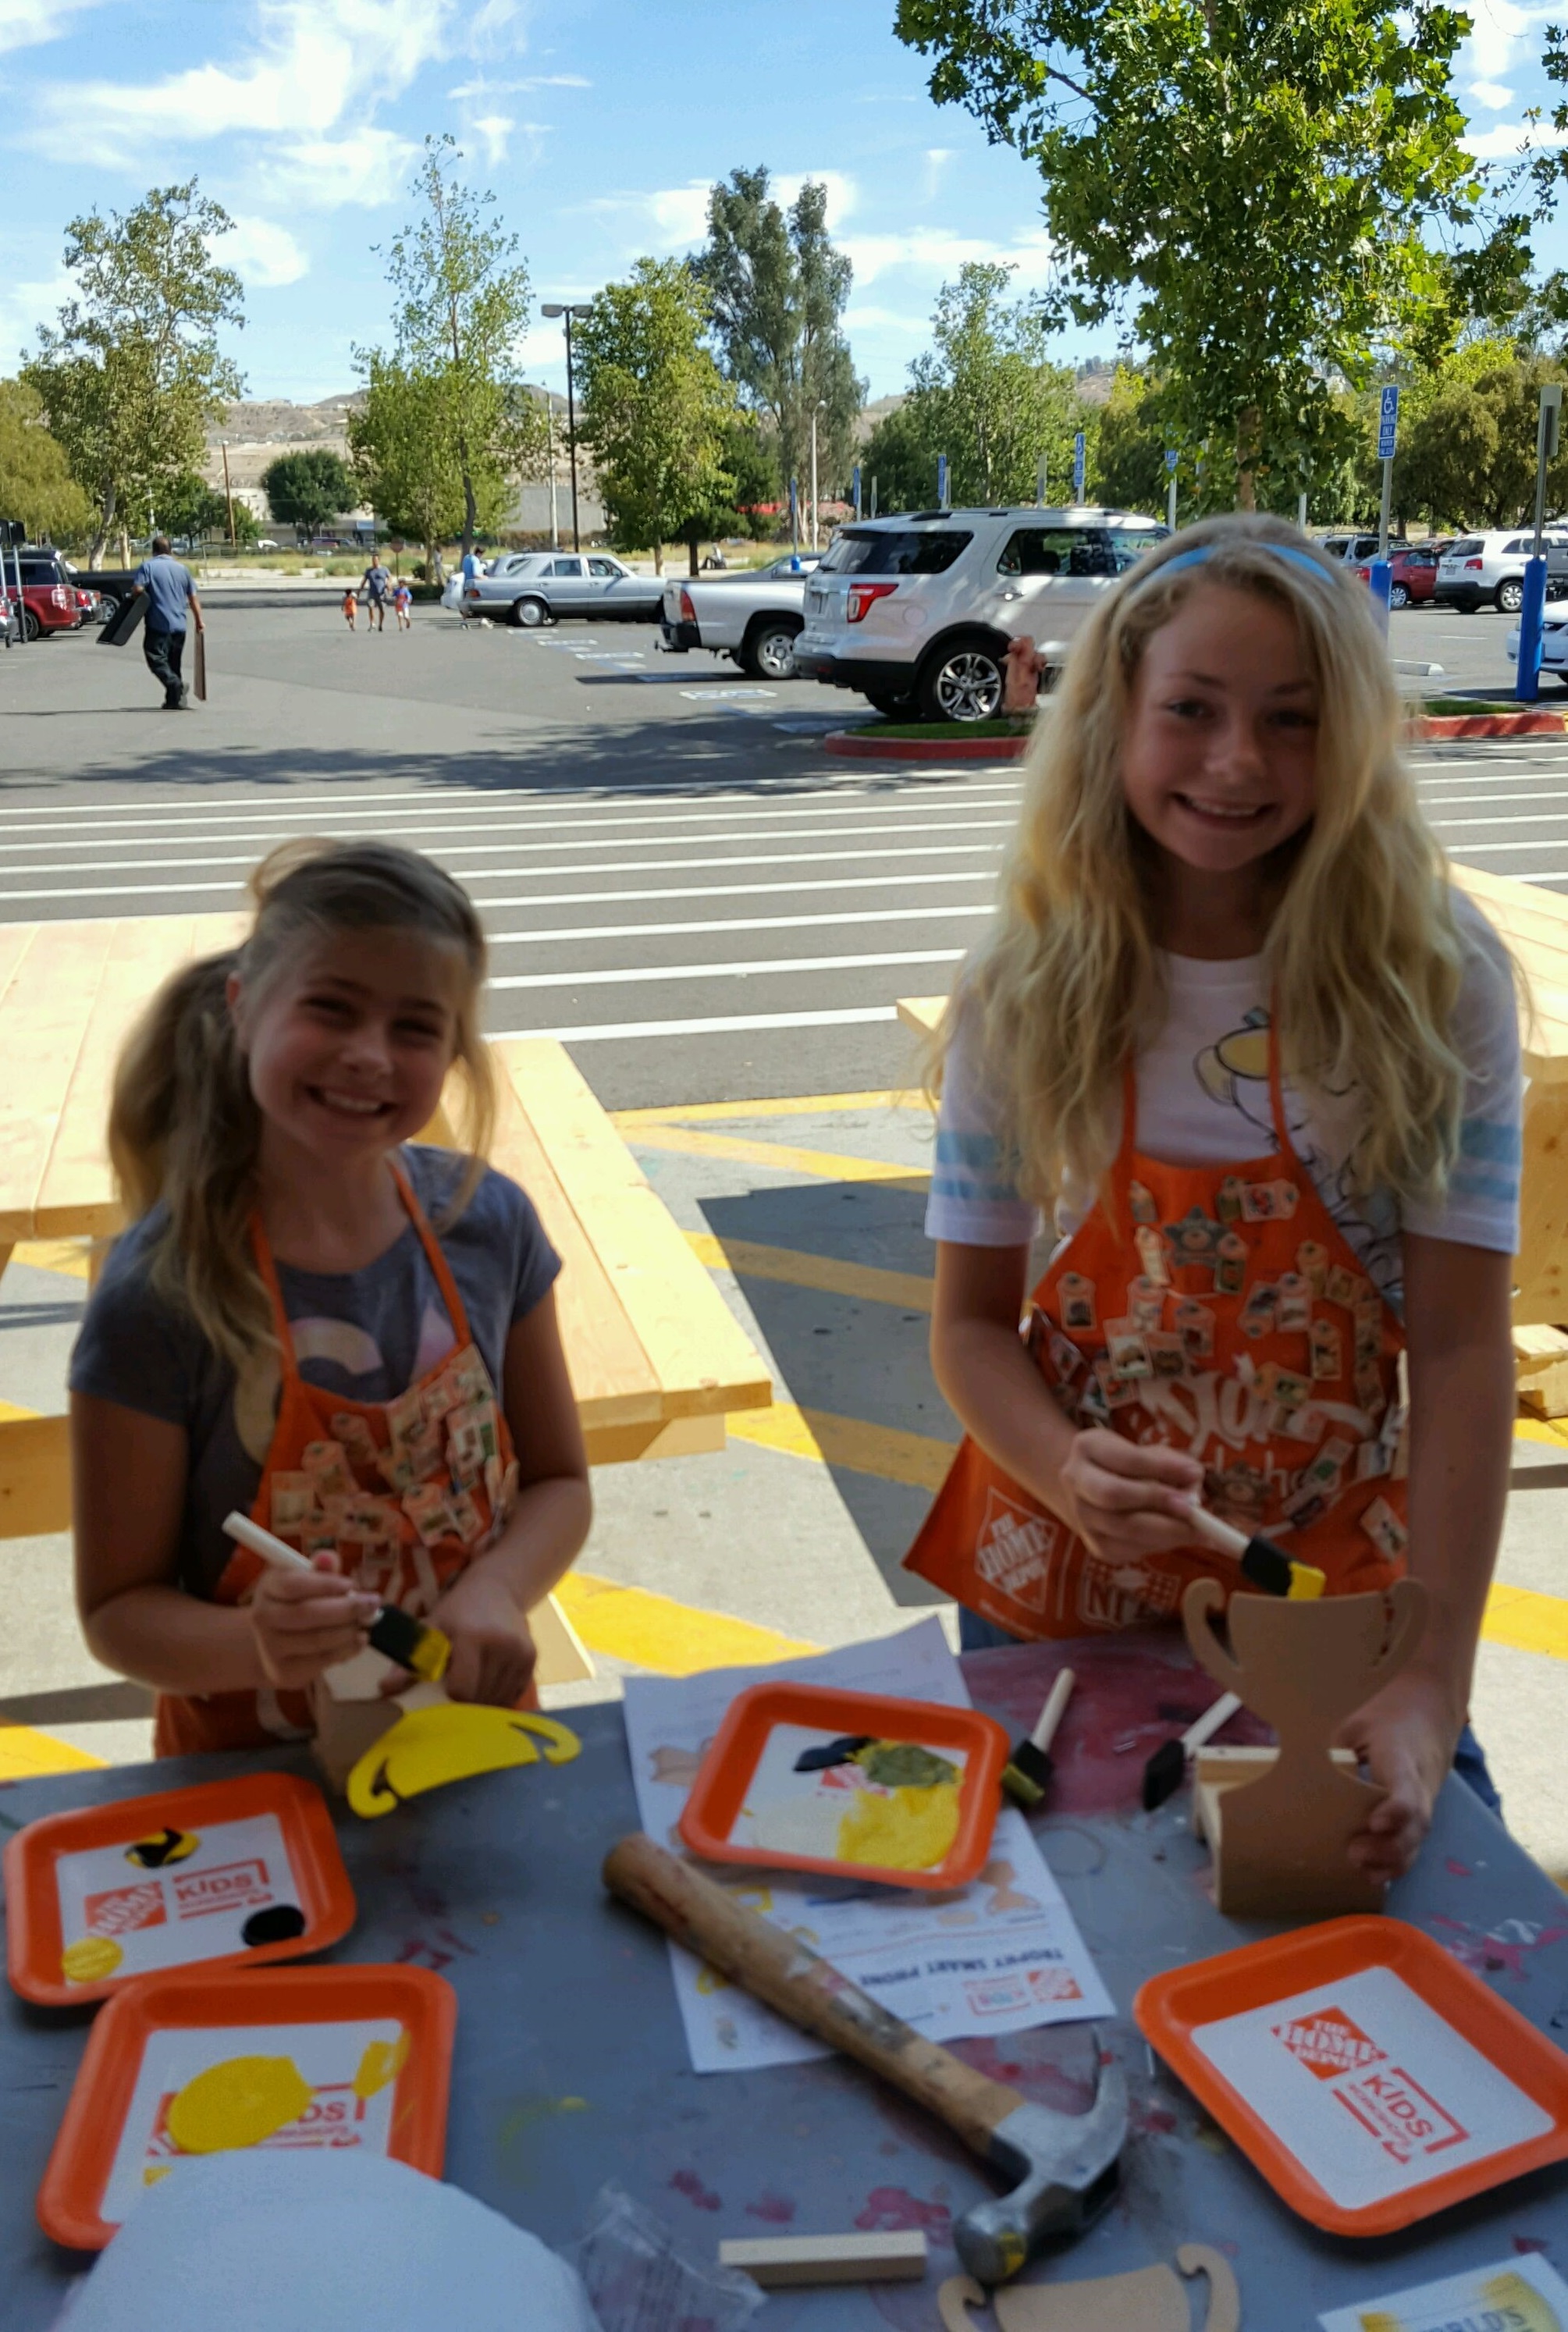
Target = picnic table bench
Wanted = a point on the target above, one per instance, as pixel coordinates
(570, 2065)
(657, 1357)
(1534, 923)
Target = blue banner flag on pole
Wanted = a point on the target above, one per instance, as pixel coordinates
(1078, 455)
(941, 480)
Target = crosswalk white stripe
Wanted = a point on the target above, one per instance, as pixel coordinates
(716, 1025)
(1491, 850)
(855, 915)
(1525, 818)
(521, 874)
(750, 968)
(1463, 801)
(742, 891)
(445, 852)
(423, 810)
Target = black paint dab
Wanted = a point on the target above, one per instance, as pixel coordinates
(164, 1847)
(280, 1923)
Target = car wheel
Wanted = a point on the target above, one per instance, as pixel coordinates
(32, 629)
(1399, 594)
(769, 652)
(963, 682)
(893, 708)
(531, 614)
(1510, 597)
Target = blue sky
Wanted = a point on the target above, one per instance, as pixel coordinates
(599, 124)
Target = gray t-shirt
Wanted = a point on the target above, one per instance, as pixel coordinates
(169, 590)
(366, 1334)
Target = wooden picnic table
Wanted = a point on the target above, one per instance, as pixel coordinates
(570, 2065)
(655, 1356)
(1534, 923)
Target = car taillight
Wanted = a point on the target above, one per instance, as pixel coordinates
(58, 596)
(688, 612)
(1475, 563)
(862, 595)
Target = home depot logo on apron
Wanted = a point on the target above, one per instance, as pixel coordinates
(404, 1492)
(1216, 1310)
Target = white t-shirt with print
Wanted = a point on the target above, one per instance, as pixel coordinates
(1202, 1089)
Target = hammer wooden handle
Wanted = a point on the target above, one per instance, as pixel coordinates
(809, 1991)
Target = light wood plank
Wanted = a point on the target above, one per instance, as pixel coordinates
(703, 1358)
(921, 1013)
(45, 1013)
(34, 1477)
(614, 1379)
(76, 1196)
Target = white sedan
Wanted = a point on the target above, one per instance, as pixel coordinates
(1553, 646)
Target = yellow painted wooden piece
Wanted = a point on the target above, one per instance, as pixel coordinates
(429, 1748)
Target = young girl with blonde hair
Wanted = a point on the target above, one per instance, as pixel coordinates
(312, 1318)
(1239, 1036)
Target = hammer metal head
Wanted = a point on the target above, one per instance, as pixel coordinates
(1066, 2168)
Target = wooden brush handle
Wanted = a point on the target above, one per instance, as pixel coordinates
(777, 1968)
(1221, 1536)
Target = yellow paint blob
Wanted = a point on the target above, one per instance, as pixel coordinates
(908, 1830)
(89, 1959)
(238, 2103)
(382, 2062)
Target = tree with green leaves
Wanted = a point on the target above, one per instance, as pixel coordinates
(997, 405)
(654, 404)
(1252, 186)
(36, 482)
(1467, 452)
(186, 505)
(306, 489)
(778, 288)
(403, 447)
(900, 457)
(462, 296)
(746, 478)
(132, 371)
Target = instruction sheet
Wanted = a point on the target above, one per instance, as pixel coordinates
(999, 1956)
(1518, 2295)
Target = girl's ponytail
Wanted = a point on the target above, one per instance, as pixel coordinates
(184, 1127)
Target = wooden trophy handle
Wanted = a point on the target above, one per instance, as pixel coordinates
(1203, 1597)
(780, 1969)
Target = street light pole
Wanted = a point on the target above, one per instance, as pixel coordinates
(814, 413)
(557, 308)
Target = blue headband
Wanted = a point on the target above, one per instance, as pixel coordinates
(1207, 551)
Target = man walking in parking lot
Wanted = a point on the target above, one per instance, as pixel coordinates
(170, 592)
(376, 585)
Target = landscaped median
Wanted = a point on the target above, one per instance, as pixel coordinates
(1008, 740)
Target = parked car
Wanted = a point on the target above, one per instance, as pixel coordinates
(1489, 570)
(1412, 572)
(754, 619)
(1354, 548)
(917, 612)
(49, 598)
(1553, 646)
(539, 587)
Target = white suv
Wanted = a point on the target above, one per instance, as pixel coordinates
(1489, 570)
(917, 612)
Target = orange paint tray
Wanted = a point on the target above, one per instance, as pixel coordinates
(1370, 2077)
(752, 1753)
(372, 2047)
(222, 1873)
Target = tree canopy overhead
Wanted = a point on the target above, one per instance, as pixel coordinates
(778, 288)
(36, 482)
(1268, 191)
(131, 372)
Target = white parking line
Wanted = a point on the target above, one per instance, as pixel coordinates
(717, 1026)
(857, 916)
(759, 967)
(741, 891)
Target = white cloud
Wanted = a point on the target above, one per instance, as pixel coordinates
(937, 158)
(482, 88)
(324, 174)
(1509, 137)
(673, 218)
(28, 23)
(1491, 95)
(858, 318)
(495, 129)
(263, 255)
(938, 253)
(842, 193)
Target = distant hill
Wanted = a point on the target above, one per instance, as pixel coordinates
(256, 430)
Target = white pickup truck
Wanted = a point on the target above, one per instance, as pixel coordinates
(753, 616)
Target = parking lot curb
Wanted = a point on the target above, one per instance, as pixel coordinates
(1490, 725)
(856, 745)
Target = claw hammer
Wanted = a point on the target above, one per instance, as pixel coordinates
(1064, 2167)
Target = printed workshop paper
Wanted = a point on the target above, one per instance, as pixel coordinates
(1517, 2295)
(1001, 1955)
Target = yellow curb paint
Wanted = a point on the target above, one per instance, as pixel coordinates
(653, 1631)
(866, 1282)
(706, 1112)
(24, 1754)
(1538, 1428)
(9, 1412)
(829, 1164)
(886, 1450)
(67, 1255)
(1529, 1622)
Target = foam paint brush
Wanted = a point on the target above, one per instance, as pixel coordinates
(1027, 1775)
(1262, 1564)
(1167, 1768)
(413, 1643)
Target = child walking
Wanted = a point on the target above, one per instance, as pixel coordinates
(351, 608)
(403, 606)
(1239, 1036)
(341, 1332)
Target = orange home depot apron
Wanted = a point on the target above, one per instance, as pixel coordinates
(404, 1492)
(1216, 1310)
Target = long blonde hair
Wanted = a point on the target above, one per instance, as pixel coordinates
(184, 1126)
(1362, 955)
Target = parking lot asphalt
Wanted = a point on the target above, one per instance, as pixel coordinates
(718, 921)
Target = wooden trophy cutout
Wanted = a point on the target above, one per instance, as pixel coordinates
(1150, 2300)
(1279, 1841)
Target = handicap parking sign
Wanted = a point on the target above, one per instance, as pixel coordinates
(1387, 422)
